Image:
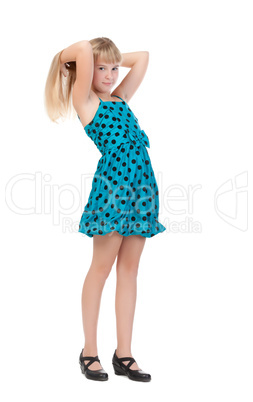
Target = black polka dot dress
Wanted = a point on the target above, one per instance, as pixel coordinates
(124, 193)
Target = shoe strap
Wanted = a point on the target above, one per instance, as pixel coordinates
(91, 358)
(123, 359)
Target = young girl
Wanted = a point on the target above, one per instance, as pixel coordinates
(123, 205)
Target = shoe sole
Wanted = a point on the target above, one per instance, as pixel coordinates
(119, 371)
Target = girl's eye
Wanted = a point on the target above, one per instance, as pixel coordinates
(114, 68)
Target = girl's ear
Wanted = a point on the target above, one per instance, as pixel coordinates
(64, 69)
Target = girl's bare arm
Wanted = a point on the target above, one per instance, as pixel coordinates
(70, 53)
(138, 62)
(80, 52)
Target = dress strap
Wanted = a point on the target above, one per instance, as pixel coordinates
(118, 97)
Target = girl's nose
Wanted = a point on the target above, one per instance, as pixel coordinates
(109, 74)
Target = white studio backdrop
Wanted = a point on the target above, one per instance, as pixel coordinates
(193, 321)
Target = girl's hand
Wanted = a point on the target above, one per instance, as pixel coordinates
(64, 69)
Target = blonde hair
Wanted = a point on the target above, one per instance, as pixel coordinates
(58, 89)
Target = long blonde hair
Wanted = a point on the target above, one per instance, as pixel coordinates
(58, 89)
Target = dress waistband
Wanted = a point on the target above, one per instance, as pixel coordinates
(137, 138)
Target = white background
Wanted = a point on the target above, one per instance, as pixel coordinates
(193, 324)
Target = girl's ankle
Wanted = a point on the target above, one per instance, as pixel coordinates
(90, 352)
(123, 353)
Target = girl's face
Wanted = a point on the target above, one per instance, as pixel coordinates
(105, 76)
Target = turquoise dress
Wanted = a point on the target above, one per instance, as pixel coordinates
(124, 193)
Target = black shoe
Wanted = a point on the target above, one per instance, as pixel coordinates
(124, 369)
(98, 375)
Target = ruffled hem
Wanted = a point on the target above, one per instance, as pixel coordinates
(123, 228)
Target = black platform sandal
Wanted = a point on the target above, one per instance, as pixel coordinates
(97, 375)
(124, 369)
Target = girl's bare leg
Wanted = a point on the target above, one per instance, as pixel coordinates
(105, 250)
(126, 292)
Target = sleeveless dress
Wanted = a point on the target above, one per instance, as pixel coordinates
(124, 193)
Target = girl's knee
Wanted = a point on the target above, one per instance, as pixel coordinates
(101, 270)
(129, 269)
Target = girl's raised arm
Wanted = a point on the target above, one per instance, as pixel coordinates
(138, 62)
(80, 52)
